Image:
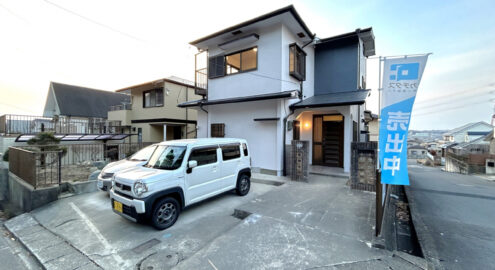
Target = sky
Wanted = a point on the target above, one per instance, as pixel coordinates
(111, 44)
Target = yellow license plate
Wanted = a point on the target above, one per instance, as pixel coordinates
(117, 206)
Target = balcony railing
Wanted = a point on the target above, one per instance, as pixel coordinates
(29, 124)
(121, 107)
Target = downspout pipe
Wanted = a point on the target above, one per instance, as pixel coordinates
(284, 165)
(201, 107)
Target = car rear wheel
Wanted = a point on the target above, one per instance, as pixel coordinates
(243, 185)
(165, 213)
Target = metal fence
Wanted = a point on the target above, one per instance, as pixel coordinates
(87, 154)
(38, 168)
(64, 163)
(29, 124)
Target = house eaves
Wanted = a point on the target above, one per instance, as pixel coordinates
(357, 97)
(366, 35)
(288, 9)
(204, 102)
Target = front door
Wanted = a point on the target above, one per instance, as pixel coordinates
(328, 140)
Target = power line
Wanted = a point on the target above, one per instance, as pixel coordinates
(14, 14)
(454, 100)
(93, 21)
(454, 108)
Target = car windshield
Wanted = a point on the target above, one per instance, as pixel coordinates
(143, 154)
(167, 157)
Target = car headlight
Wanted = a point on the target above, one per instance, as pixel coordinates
(139, 188)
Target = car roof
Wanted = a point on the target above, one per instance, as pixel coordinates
(202, 141)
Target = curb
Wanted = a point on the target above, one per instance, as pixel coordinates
(51, 251)
(425, 241)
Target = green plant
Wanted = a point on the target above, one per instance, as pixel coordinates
(6, 155)
(46, 141)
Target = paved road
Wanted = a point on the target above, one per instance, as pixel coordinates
(454, 216)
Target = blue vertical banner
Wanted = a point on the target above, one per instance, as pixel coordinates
(401, 78)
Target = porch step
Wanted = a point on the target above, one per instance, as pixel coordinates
(333, 174)
(269, 179)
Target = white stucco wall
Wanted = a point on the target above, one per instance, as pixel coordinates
(247, 84)
(261, 135)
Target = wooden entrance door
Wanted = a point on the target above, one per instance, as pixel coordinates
(328, 140)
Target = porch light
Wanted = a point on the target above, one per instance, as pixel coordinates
(307, 125)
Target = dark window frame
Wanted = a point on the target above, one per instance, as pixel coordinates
(217, 127)
(213, 76)
(300, 75)
(153, 91)
(231, 145)
(245, 150)
(204, 148)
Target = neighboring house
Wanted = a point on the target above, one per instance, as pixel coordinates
(468, 132)
(271, 81)
(490, 138)
(416, 152)
(77, 109)
(373, 125)
(153, 113)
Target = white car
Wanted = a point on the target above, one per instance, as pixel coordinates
(178, 174)
(140, 158)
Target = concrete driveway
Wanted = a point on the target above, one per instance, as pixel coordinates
(87, 223)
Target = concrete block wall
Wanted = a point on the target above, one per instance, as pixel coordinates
(363, 165)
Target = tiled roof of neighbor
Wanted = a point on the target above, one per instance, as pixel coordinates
(80, 101)
(416, 147)
(464, 127)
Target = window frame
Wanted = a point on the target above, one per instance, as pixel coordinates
(153, 92)
(240, 61)
(209, 147)
(212, 129)
(297, 74)
(245, 150)
(231, 145)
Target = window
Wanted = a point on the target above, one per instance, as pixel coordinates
(231, 151)
(153, 98)
(221, 65)
(414, 152)
(241, 61)
(167, 157)
(297, 62)
(245, 149)
(218, 130)
(204, 156)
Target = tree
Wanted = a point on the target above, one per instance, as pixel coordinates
(46, 141)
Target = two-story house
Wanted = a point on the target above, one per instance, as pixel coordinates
(153, 113)
(468, 132)
(271, 81)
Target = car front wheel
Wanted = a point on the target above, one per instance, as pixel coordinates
(165, 213)
(243, 185)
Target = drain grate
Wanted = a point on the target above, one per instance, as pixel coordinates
(146, 245)
(240, 214)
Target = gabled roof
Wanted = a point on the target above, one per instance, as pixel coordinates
(152, 84)
(288, 9)
(333, 99)
(80, 101)
(480, 140)
(465, 127)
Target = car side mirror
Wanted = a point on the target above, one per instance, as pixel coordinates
(192, 163)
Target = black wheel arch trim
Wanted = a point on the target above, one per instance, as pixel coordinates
(243, 171)
(150, 200)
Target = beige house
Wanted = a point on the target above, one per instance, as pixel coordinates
(153, 113)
